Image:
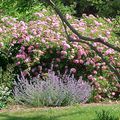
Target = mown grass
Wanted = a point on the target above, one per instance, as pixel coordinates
(67, 113)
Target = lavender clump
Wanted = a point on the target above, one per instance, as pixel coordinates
(51, 91)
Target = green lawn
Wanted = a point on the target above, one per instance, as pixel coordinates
(67, 113)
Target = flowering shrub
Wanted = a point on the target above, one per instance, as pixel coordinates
(42, 41)
(52, 91)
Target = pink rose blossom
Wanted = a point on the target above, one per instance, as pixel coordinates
(73, 70)
(81, 61)
(63, 52)
(68, 16)
(1, 30)
(97, 97)
(66, 46)
(22, 48)
(104, 67)
(109, 51)
(51, 51)
(1, 44)
(101, 78)
(58, 59)
(24, 73)
(18, 63)
(94, 72)
(113, 93)
(81, 52)
(22, 56)
(108, 33)
(76, 61)
(20, 40)
(90, 77)
(27, 60)
(56, 65)
(97, 23)
(30, 49)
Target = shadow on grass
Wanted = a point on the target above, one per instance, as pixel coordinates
(38, 117)
(9, 117)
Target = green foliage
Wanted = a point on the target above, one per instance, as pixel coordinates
(116, 23)
(4, 95)
(21, 9)
(106, 8)
(24, 9)
(105, 115)
(7, 76)
(3, 57)
(6, 84)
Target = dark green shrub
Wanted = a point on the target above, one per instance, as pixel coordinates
(7, 76)
(106, 8)
(3, 57)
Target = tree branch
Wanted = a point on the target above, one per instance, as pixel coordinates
(97, 52)
(77, 33)
(86, 40)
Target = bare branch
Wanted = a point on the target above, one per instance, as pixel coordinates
(86, 40)
(97, 52)
(78, 34)
(104, 60)
(94, 49)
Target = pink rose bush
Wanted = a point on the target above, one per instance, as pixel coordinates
(42, 42)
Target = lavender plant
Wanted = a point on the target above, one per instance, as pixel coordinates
(51, 91)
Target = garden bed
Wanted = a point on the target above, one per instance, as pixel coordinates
(41, 67)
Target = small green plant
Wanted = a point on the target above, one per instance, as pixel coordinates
(105, 115)
(4, 95)
(6, 83)
(7, 76)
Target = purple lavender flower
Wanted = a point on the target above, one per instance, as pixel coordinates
(51, 91)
